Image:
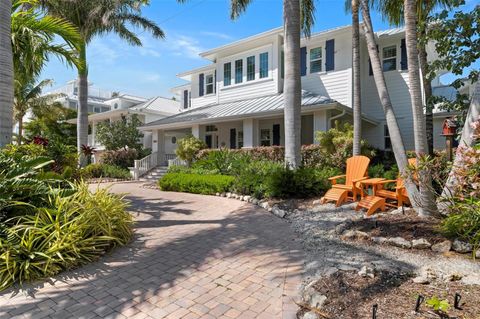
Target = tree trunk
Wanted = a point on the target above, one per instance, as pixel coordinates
(357, 110)
(292, 84)
(6, 74)
(82, 115)
(466, 141)
(427, 90)
(395, 136)
(426, 202)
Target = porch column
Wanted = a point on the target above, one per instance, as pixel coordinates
(250, 133)
(196, 130)
(94, 133)
(320, 122)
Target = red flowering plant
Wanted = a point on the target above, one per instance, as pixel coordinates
(39, 140)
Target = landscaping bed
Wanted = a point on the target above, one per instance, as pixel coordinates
(350, 295)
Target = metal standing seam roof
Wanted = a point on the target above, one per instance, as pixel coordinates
(244, 107)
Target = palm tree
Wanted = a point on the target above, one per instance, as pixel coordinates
(6, 73)
(298, 15)
(357, 98)
(395, 136)
(28, 96)
(97, 18)
(427, 197)
(393, 11)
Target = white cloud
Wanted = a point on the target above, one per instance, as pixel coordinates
(216, 35)
(182, 45)
(102, 51)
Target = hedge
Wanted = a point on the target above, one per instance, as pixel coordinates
(197, 184)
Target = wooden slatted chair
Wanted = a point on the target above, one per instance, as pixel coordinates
(399, 195)
(357, 167)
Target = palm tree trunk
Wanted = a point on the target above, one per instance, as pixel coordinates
(395, 136)
(82, 115)
(427, 91)
(426, 203)
(357, 111)
(292, 83)
(6, 74)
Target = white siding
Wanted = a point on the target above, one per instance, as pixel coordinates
(335, 85)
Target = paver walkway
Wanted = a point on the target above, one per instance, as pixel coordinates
(192, 257)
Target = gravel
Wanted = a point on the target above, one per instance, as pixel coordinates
(326, 251)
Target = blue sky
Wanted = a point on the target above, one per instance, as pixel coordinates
(190, 28)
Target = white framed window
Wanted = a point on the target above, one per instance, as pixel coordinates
(209, 84)
(238, 71)
(265, 137)
(263, 65)
(240, 139)
(386, 138)
(316, 60)
(227, 74)
(211, 128)
(389, 58)
(251, 68)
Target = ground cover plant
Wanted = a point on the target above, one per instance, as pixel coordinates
(198, 184)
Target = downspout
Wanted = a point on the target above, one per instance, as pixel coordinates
(337, 116)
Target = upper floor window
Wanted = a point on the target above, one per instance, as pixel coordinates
(227, 74)
(389, 58)
(238, 71)
(282, 65)
(263, 65)
(185, 99)
(316, 60)
(251, 68)
(209, 84)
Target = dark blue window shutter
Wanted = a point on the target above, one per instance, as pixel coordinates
(330, 55)
(403, 57)
(303, 61)
(276, 134)
(215, 82)
(233, 138)
(185, 99)
(201, 79)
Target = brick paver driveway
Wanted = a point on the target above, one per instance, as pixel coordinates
(192, 257)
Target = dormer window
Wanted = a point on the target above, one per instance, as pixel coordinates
(316, 60)
(238, 71)
(389, 58)
(209, 84)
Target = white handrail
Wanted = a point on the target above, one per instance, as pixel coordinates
(142, 166)
(176, 162)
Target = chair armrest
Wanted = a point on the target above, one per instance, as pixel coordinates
(336, 177)
(359, 179)
(387, 181)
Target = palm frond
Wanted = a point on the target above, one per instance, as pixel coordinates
(237, 7)
(307, 16)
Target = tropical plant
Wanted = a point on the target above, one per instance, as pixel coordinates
(6, 74)
(121, 134)
(188, 147)
(122, 158)
(426, 198)
(97, 18)
(68, 232)
(298, 15)
(197, 184)
(104, 170)
(437, 304)
(398, 146)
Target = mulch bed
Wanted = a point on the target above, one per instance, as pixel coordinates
(408, 226)
(352, 296)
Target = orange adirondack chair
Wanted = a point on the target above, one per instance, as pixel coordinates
(356, 171)
(399, 195)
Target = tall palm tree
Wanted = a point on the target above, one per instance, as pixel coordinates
(6, 73)
(28, 96)
(97, 18)
(393, 11)
(357, 97)
(298, 15)
(397, 142)
(427, 197)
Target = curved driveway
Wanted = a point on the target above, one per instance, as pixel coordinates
(192, 256)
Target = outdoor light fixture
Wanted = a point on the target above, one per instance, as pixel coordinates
(420, 300)
(456, 302)
(374, 311)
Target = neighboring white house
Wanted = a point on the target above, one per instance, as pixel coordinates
(124, 105)
(236, 101)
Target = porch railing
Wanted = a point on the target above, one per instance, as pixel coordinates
(169, 157)
(142, 166)
(176, 162)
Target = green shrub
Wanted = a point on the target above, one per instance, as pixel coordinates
(193, 183)
(105, 170)
(300, 183)
(223, 161)
(377, 170)
(24, 151)
(192, 170)
(122, 158)
(76, 230)
(188, 147)
(251, 179)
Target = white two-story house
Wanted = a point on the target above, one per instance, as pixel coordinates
(236, 100)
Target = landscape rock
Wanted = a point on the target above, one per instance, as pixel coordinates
(255, 201)
(229, 195)
(442, 247)
(461, 246)
(217, 194)
(247, 198)
(400, 242)
(471, 279)
(421, 243)
(278, 212)
(265, 205)
(310, 315)
(397, 211)
(223, 194)
(317, 202)
(367, 271)
(317, 300)
(379, 240)
(453, 277)
(422, 279)
(355, 234)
